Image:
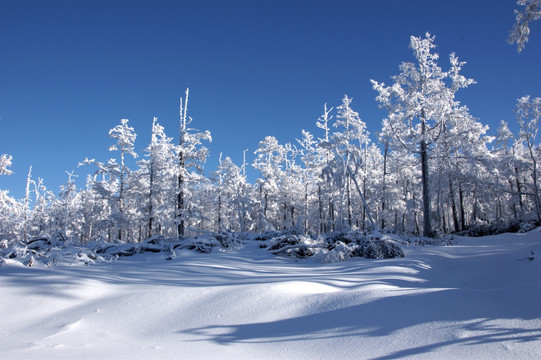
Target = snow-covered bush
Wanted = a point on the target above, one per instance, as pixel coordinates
(204, 243)
(378, 248)
(229, 241)
(340, 252)
(299, 246)
(495, 229)
(337, 247)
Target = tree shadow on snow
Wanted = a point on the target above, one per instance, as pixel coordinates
(385, 316)
(465, 302)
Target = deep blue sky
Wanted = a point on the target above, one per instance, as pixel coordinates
(70, 70)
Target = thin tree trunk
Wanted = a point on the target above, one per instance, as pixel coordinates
(182, 165)
(384, 184)
(331, 215)
(348, 203)
(372, 224)
(519, 189)
(150, 194)
(306, 208)
(26, 204)
(320, 203)
(462, 211)
(453, 205)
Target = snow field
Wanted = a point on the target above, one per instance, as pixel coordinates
(478, 299)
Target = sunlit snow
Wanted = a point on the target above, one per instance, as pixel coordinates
(477, 299)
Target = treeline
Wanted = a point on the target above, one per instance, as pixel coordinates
(432, 169)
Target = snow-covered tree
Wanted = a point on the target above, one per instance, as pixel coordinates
(269, 161)
(419, 102)
(11, 216)
(326, 189)
(159, 171)
(528, 115)
(67, 195)
(125, 142)
(350, 144)
(191, 157)
(232, 202)
(521, 29)
(313, 159)
(5, 162)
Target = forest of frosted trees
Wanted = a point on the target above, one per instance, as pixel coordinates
(431, 170)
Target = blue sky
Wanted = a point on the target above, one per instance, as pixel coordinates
(70, 70)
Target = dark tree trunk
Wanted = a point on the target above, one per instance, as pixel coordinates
(180, 197)
(453, 206)
(427, 226)
(462, 211)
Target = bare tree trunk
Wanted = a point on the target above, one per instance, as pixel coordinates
(384, 184)
(427, 229)
(219, 210)
(348, 194)
(519, 189)
(453, 205)
(150, 194)
(462, 211)
(285, 213)
(26, 204)
(306, 208)
(266, 208)
(320, 203)
(331, 215)
(182, 165)
(180, 201)
(365, 205)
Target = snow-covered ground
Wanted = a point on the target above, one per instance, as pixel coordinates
(478, 299)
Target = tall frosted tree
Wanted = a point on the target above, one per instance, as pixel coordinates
(232, 203)
(313, 159)
(159, 171)
(419, 103)
(528, 115)
(125, 141)
(269, 161)
(325, 186)
(191, 157)
(349, 143)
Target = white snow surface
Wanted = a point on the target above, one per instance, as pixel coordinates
(477, 299)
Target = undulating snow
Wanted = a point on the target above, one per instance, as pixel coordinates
(477, 299)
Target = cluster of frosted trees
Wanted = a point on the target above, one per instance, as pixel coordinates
(431, 169)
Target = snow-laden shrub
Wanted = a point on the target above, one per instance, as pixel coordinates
(378, 248)
(337, 247)
(204, 243)
(343, 237)
(525, 227)
(300, 246)
(340, 252)
(267, 235)
(44, 251)
(229, 241)
(495, 229)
